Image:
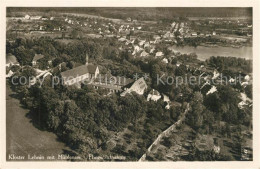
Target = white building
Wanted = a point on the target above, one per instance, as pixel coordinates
(138, 87)
(35, 17)
(165, 60)
(212, 90)
(27, 17)
(11, 60)
(167, 100)
(159, 54)
(10, 73)
(215, 74)
(153, 95)
(144, 54)
(247, 77)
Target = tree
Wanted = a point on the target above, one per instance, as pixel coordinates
(249, 91)
(167, 142)
(75, 34)
(195, 117)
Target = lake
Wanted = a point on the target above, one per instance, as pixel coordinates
(204, 52)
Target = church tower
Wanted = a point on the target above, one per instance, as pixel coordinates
(86, 59)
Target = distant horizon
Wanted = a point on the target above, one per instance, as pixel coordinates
(144, 12)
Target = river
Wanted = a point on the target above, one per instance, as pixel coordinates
(204, 52)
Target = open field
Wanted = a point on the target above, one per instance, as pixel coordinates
(23, 138)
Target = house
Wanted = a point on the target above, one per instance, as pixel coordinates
(138, 86)
(165, 60)
(36, 58)
(159, 54)
(247, 78)
(152, 50)
(10, 73)
(194, 34)
(216, 74)
(80, 74)
(27, 17)
(178, 63)
(144, 54)
(49, 62)
(35, 17)
(173, 24)
(146, 45)
(245, 101)
(212, 90)
(136, 50)
(231, 80)
(141, 43)
(216, 149)
(167, 100)
(11, 60)
(41, 75)
(122, 39)
(153, 95)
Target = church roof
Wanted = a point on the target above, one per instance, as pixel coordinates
(79, 71)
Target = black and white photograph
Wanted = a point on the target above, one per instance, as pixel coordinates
(129, 84)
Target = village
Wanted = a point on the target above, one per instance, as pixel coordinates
(85, 59)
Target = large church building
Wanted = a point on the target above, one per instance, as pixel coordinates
(80, 74)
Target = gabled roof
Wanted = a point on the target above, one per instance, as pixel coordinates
(37, 57)
(11, 59)
(80, 70)
(140, 83)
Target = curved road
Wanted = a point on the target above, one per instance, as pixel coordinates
(22, 138)
(165, 133)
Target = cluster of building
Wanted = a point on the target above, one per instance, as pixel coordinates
(101, 26)
(28, 17)
(89, 74)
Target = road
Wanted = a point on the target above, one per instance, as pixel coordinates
(165, 133)
(22, 138)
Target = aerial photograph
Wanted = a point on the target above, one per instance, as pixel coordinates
(135, 84)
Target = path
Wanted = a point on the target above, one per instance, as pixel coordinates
(165, 133)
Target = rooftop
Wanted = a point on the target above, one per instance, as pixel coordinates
(37, 57)
(11, 59)
(80, 70)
